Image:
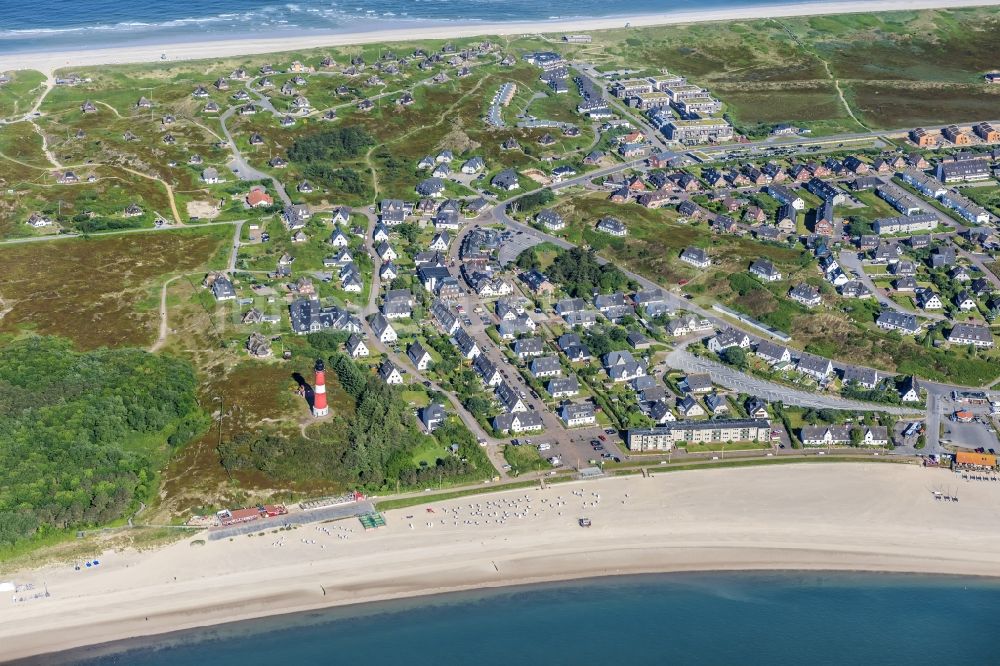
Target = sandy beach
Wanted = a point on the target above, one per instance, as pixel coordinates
(852, 516)
(47, 62)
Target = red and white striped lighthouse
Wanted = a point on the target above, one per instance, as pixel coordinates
(319, 391)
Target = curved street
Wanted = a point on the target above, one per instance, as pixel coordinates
(681, 359)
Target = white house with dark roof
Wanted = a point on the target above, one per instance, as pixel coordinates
(867, 378)
(385, 252)
(927, 299)
(528, 348)
(431, 187)
(688, 407)
(466, 344)
(964, 301)
(389, 373)
(805, 294)
(891, 320)
(772, 353)
(432, 416)
(970, 334)
(487, 371)
(440, 242)
(518, 422)
(550, 219)
(383, 329)
(223, 289)
(473, 165)
(419, 356)
(612, 226)
(387, 272)
(341, 215)
(696, 256)
(576, 415)
(786, 195)
(356, 347)
(909, 390)
(661, 413)
(509, 399)
(726, 338)
(338, 239)
(506, 180)
(765, 270)
(563, 387)
(817, 367)
(352, 283)
(545, 366)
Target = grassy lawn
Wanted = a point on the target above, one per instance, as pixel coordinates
(428, 453)
(987, 197)
(20, 94)
(703, 447)
(416, 398)
(524, 458)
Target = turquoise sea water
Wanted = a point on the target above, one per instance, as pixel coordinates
(74, 24)
(718, 618)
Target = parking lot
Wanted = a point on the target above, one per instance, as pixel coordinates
(970, 435)
(514, 245)
(574, 449)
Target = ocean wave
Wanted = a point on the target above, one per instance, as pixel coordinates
(124, 26)
(34, 28)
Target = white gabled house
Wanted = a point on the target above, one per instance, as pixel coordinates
(383, 329)
(356, 347)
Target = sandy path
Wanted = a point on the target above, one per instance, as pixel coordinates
(832, 516)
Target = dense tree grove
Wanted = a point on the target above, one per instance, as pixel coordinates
(382, 436)
(530, 203)
(343, 180)
(333, 144)
(87, 224)
(371, 448)
(78, 442)
(528, 260)
(381, 432)
(579, 274)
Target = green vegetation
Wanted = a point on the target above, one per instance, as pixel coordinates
(371, 446)
(343, 179)
(524, 459)
(531, 203)
(22, 91)
(329, 145)
(578, 272)
(767, 303)
(897, 69)
(403, 502)
(51, 288)
(85, 433)
(830, 74)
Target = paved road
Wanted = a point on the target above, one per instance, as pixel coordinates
(979, 262)
(403, 361)
(850, 260)
(242, 168)
(636, 118)
(771, 391)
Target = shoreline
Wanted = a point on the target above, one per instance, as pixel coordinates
(418, 598)
(47, 62)
(882, 519)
